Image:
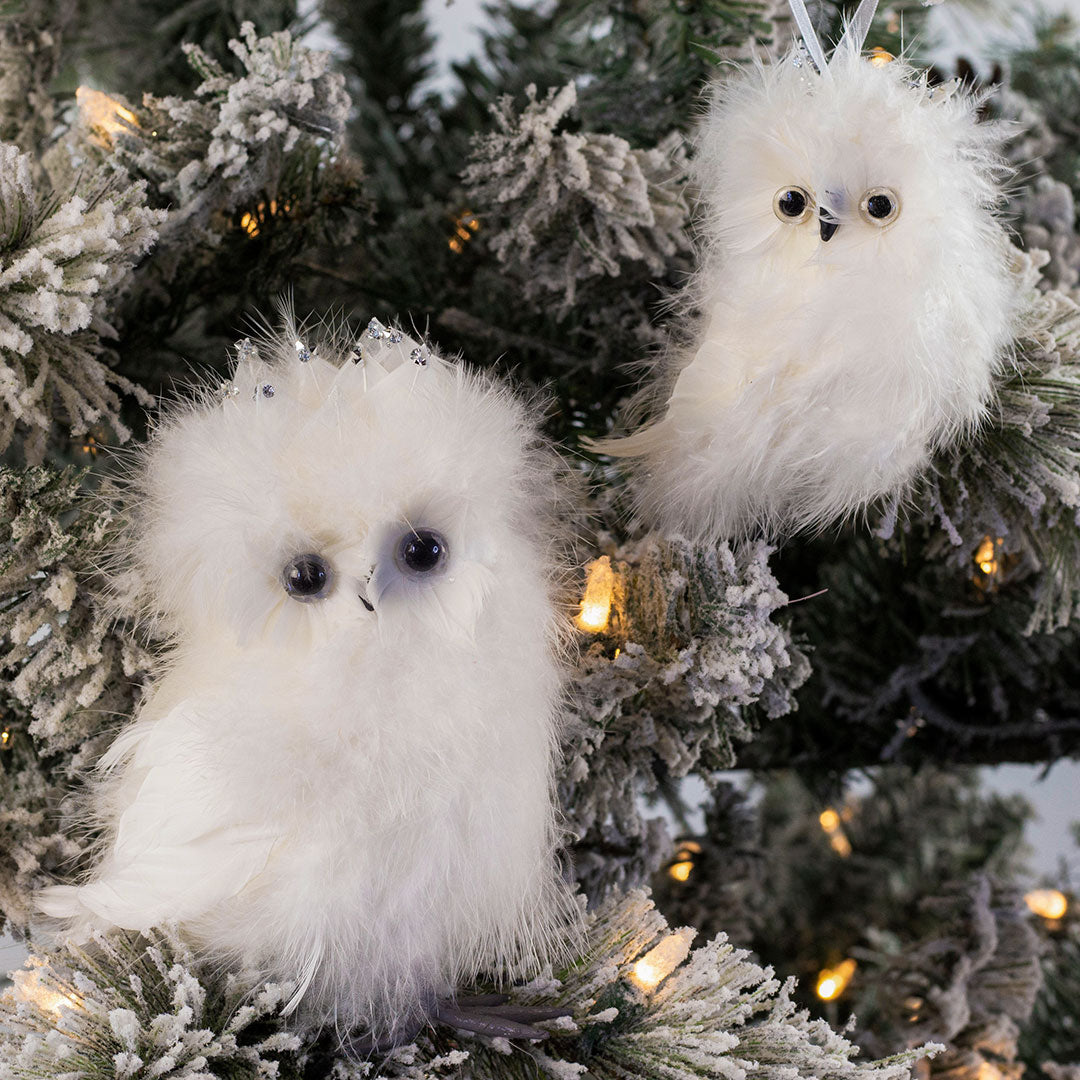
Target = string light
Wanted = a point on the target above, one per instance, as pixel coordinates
(103, 115)
(599, 592)
(879, 57)
(830, 824)
(680, 871)
(991, 562)
(1050, 904)
(90, 446)
(7, 739)
(986, 556)
(914, 1004)
(832, 982)
(464, 226)
(658, 963)
(683, 863)
(251, 222)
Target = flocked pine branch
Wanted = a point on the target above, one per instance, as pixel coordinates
(64, 260)
(30, 52)
(133, 1007)
(696, 652)
(832, 891)
(67, 675)
(969, 983)
(35, 843)
(561, 207)
(65, 668)
(642, 1005)
(238, 140)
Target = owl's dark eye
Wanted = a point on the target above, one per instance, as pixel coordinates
(421, 551)
(307, 578)
(793, 205)
(880, 206)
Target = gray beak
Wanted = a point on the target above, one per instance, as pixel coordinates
(828, 224)
(363, 593)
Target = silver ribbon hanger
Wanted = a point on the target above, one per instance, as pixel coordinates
(809, 34)
(858, 28)
(855, 32)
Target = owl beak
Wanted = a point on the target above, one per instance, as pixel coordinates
(362, 592)
(828, 224)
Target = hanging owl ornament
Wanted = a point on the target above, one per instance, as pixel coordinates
(855, 294)
(343, 775)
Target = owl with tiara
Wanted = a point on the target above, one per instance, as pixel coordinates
(343, 776)
(853, 304)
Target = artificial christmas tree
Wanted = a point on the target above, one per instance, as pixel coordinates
(168, 175)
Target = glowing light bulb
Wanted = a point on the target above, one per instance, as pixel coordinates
(879, 57)
(103, 115)
(1047, 903)
(252, 222)
(830, 824)
(680, 871)
(990, 560)
(658, 963)
(29, 987)
(6, 739)
(832, 982)
(465, 224)
(599, 594)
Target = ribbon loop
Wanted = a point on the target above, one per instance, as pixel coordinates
(857, 28)
(854, 37)
(809, 35)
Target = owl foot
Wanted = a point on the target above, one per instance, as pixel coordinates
(364, 1047)
(489, 1014)
(484, 1014)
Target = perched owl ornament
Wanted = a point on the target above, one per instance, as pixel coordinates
(855, 294)
(343, 776)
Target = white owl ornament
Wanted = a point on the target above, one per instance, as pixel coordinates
(343, 776)
(855, 293)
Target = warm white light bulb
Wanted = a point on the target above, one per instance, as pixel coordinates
(832, 982)
(1047, 903)
(659, 962)
(599, 594)
(103, 114)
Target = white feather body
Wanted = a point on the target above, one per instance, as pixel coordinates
(360, 801)
(824, 375)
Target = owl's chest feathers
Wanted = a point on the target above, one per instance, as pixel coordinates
(812, 326)
(359, 757)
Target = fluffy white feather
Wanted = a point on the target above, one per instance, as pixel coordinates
(356, 799)
(824, 372)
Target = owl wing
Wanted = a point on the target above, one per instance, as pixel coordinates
(178, 848)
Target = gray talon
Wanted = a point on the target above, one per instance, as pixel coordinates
(488, 1014)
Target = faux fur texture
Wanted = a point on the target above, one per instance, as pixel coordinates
(358, 800)
(824, 374)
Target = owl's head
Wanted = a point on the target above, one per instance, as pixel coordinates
(860, 164)
(344, 492)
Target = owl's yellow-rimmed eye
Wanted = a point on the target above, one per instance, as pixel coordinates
(793, 205)
(880, 206)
